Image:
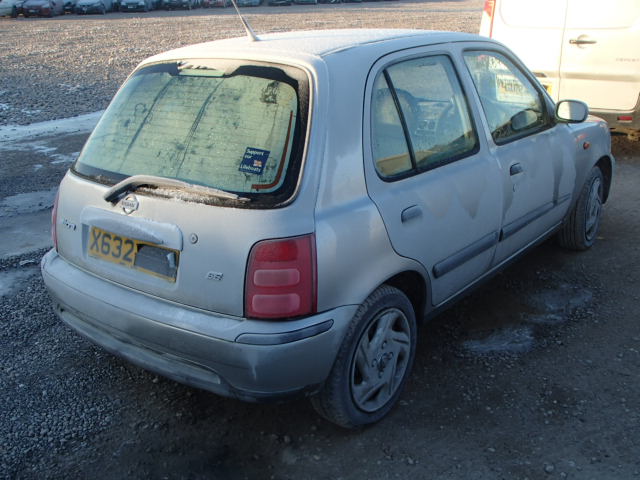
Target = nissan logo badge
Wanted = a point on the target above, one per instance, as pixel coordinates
(130, 204)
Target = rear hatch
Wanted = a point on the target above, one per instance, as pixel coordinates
(192, 164)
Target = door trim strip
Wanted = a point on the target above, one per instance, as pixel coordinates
(517, 225)
(467, 253)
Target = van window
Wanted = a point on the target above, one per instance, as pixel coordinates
(420, 119)
(233, 128)
(512, 105)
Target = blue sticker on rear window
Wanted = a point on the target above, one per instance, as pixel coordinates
(254, 160)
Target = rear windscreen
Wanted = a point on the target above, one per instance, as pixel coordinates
(232, 127)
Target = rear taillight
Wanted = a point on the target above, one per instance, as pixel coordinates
(54, 221)
(487, 20)
(281, 278)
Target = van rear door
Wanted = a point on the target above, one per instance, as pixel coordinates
(601, 54)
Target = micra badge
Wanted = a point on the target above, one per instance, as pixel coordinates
(130, 204)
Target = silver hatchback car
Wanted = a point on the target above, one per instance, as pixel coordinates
(269, 218)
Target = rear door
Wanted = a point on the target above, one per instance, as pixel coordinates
(431, 180)
(601, 54)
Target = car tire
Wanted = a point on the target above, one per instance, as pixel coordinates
(580, 228)
(373, 362)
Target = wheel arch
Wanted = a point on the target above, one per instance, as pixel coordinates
(415, 287)
(605, 164)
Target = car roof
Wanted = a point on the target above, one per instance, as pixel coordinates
(303, 46)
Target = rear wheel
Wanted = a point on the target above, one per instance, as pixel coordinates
(580, 229)
(373, 362)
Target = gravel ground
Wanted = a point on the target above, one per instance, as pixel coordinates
(66, 66)
(534, 376)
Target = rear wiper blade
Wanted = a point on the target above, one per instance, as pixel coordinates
(132, 183)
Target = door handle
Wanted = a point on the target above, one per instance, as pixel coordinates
(410, 213)
(515, 169)
(581, 41)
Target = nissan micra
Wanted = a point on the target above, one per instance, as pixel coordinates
(269, 218)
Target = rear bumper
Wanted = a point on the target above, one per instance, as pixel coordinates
(617, 125)
(247, 359)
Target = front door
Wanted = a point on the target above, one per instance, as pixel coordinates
(537, 189)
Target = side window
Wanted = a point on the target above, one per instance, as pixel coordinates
(511, 103)
(420, 118)
(390, 149)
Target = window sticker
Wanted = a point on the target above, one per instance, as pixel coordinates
(254, 160)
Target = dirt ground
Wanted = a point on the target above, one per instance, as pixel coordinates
(533, 376)
(536, 375)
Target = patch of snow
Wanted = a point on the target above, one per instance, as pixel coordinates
(61, 158)
(27, 203)
(30, 112)
(508, 340)
(82, 123)
(38, 146)
(11, 280)
(552, 307)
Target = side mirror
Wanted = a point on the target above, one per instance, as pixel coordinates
(572, 111)
(524, 119)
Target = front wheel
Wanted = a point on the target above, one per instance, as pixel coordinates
(373, 362)
(580, 229)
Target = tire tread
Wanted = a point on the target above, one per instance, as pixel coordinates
(571, 234)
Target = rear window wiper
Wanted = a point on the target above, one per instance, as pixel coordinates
(130, 184)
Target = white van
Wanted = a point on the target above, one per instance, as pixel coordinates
(583, 49)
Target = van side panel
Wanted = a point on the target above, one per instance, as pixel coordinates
(533, 30)
(600, 62)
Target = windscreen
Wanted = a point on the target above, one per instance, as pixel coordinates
(220, 125)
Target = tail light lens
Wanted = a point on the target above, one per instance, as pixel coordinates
(489, 10)
(489, 5)
(54, 222)
(281, 278)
